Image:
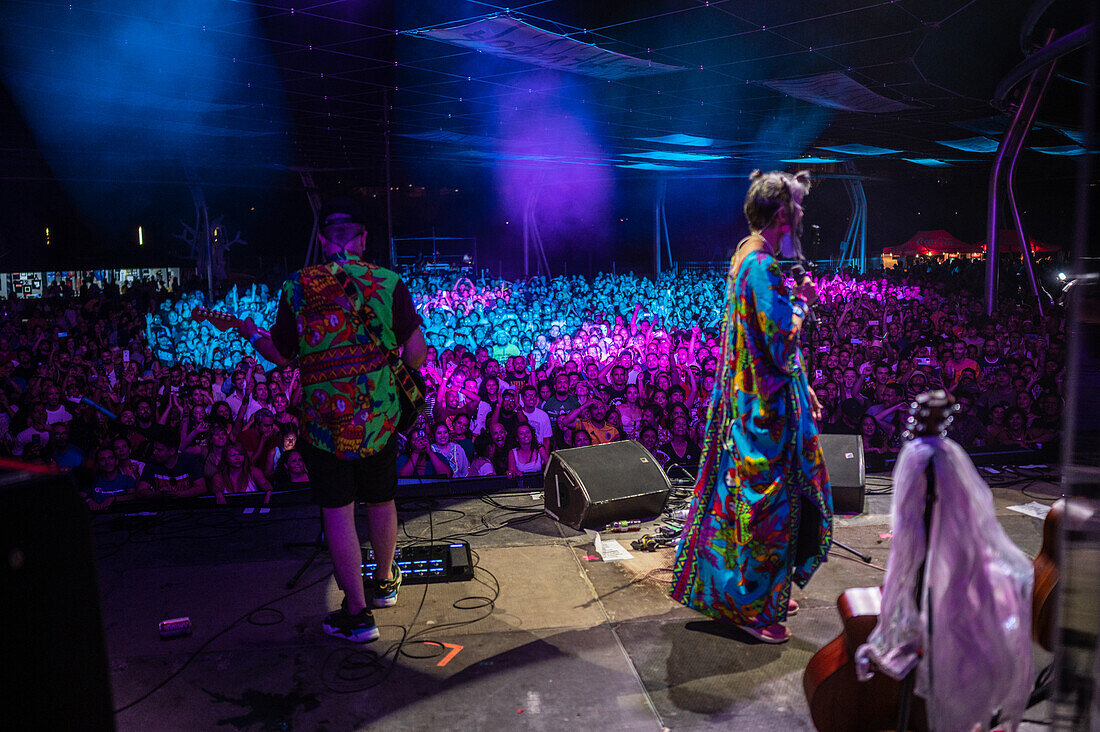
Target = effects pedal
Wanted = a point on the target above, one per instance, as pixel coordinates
(423, 563)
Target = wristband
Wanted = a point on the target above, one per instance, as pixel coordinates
(255, 337)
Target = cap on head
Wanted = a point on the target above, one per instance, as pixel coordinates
(340, 210)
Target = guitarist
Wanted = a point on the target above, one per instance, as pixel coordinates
(350, 404)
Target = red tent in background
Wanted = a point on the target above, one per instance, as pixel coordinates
(932, 242)
(1009, 241)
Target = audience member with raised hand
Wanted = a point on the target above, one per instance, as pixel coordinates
(420, 460)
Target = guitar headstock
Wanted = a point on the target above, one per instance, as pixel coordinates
(221, 320)
(930, 414)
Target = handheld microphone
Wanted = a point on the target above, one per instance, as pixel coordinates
(800, 275)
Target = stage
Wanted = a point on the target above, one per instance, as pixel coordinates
(546, 636)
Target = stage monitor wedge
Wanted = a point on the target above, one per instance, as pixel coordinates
(591, 487)
(847, 471)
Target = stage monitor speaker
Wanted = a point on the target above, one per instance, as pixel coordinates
(847, 471)
(591, 487)
(55, 672)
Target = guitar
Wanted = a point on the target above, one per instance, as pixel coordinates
(411, 389)
(838, 701)
(221, 320)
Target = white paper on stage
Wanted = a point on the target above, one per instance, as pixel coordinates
(1033, 509)
(608, 549)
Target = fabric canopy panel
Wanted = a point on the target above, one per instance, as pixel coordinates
(507, 37)
(836, 91)
(1009, 241)
(932, 242)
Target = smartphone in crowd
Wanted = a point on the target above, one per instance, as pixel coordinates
(856, 341)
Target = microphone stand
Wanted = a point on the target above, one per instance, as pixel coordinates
(809, 325)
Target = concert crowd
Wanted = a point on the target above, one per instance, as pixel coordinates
(108, 384)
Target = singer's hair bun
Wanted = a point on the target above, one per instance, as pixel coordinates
(755, 175)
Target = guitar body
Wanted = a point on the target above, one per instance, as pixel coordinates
(1046, 578)
(412, 390)
(840, 702)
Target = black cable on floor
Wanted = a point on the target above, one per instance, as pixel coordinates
(352, 667)
(194, 654)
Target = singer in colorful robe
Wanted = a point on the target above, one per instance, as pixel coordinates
(761, 516)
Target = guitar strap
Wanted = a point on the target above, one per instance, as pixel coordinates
(364, 313)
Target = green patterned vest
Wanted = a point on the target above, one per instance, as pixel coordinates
(349, 399)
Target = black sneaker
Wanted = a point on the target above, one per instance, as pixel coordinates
(355, 628)
(385, 591)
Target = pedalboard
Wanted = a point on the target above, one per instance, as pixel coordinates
(449, 561)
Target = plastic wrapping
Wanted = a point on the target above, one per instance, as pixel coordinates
(977, 658)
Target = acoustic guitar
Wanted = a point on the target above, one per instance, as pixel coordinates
(838, 700)
(1047, 577)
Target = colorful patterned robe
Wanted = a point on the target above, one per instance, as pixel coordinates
(762, 511)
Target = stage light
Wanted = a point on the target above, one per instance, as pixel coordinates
(675, 156)
(1062, 276)
(857, 149)
(928, 162)
(679, 139)
(141, 238)
(47, 236)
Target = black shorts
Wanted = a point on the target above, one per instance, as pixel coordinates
(336, 483)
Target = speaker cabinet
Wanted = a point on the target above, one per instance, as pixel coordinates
(591, 487)
(847, 471)
(55, 673)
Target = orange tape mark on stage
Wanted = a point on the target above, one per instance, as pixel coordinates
(455, 648)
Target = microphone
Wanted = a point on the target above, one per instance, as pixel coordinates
(800, 275)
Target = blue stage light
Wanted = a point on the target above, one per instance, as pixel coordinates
(928, 162)
(979, 144)
(676, 156)
(678, 139)
(857, 149)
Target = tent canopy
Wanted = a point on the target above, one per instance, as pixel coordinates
(932, 242)
(1009, 241)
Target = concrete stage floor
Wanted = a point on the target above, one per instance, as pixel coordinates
(547, 636)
